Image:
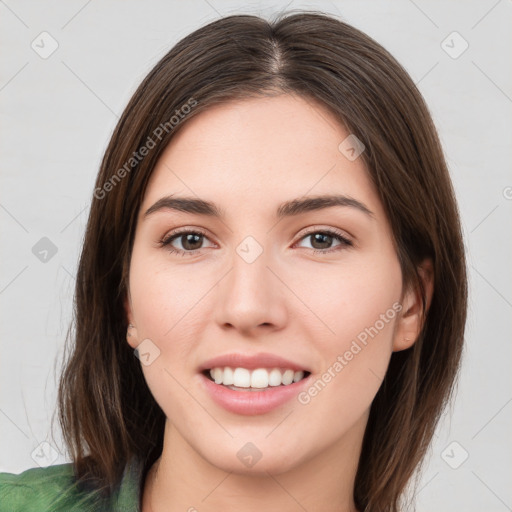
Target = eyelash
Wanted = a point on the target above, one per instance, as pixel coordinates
(166, 241)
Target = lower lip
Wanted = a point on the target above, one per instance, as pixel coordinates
(251, 403)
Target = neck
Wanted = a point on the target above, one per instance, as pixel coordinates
(182, 480)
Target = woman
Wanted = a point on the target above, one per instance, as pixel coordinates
(274, 236)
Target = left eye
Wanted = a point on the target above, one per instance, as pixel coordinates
(321, 238)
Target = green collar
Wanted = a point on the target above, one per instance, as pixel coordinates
(128, 498)
(54, 488)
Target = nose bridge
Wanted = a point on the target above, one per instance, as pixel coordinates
(250, 274)
(250, 295)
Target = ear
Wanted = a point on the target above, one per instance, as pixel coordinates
(131, 332)
(411, 319)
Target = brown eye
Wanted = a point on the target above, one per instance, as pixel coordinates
(322, 241)
(190, 242)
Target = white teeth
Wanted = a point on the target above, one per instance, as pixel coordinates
(218, 375)
(228, 377)
(298, 376)
(287, 377)
(259, 378)
(242, 378)
(274, 378)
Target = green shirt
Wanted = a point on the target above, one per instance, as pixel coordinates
(53, 489)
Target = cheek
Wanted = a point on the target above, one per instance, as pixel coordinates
(359, 307)
(164, 296)
(345, 300)
(165, 302)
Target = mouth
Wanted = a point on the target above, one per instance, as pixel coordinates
(251, 384)
(256, 391)
(258, 379)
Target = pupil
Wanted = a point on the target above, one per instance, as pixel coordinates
(191, 238)
(322, 238)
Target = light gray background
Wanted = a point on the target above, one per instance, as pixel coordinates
(58, 113)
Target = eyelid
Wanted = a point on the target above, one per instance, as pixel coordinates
(184, 230)
(325, 229)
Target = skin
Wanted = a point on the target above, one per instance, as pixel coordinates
(248, 157)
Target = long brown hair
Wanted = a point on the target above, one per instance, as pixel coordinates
(106, 410)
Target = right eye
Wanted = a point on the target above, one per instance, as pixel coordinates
(188, 239)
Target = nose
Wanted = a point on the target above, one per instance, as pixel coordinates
(251, 298)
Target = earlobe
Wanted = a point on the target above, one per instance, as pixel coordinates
(131, 331)
(412, 318)
(131, 336)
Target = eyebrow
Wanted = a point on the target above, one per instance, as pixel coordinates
(287, 209)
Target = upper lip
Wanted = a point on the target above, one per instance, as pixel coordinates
(251, 362)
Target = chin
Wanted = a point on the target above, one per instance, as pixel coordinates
(256, 458)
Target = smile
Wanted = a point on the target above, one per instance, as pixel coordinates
(259, 379)
(250, 401)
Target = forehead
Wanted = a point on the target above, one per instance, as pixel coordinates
(258, 152)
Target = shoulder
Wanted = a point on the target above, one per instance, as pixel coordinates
(40, 489)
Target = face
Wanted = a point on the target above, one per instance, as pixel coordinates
(318, 287)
